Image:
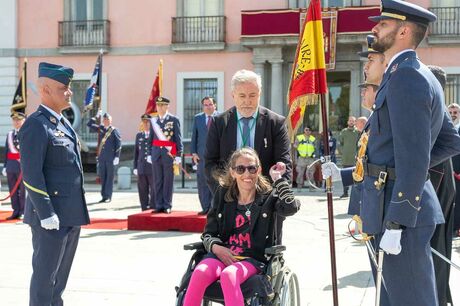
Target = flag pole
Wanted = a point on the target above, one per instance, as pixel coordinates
(330, 212)
(99, 106)
(160, 78)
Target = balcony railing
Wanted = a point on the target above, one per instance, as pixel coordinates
(206, 29)
(448, 22)
(84, 33)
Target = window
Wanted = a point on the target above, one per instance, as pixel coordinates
(194, 91)
(85, 23)
(194, 8)
(452, 90)
(191, 88)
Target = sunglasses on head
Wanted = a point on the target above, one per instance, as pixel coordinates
(240, 169)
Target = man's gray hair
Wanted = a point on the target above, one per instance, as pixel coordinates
(246, 76)
(454, 105)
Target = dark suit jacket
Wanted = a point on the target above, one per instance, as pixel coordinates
(271, 142)
(265, 211)
(53, 174)
(199, 134)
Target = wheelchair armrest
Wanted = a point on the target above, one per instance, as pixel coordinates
(276, 249)
(194, 246)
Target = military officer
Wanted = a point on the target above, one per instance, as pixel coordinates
(12, 166)
(108, 153)
(53, 175)
(143, 165)
(399, 204)
(166, 150)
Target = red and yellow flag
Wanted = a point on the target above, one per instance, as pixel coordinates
(156, 91)
(308, 78)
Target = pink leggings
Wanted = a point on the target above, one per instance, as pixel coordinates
(208, 271)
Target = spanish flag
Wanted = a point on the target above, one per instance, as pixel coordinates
(157, 88)
(308, 78)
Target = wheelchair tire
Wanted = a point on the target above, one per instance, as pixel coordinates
(290, 294)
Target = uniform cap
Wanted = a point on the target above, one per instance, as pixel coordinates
(58, 73)
(402, 10)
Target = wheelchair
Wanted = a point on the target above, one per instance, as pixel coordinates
(276, 286)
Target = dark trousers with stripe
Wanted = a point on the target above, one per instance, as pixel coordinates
(106, 171)
(163, 182)
(409, 277)
(54, 251)
(18, 198)
(146, 191)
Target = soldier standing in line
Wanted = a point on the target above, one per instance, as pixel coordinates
(165, 151)
(143, 165)
(12, 166)
(108, 153)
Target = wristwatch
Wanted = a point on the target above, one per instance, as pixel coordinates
(390, 225)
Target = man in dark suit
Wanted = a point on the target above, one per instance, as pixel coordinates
(201, 124)
(454, 111)
(247, 124)
(12, 166)
(53, 175)
(108, 153)
(143, 165)
(165, 151)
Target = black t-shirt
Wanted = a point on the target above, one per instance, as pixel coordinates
(240, 240)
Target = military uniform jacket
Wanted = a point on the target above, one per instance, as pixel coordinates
(111, 148)
(264, 211)
(141, 151)
(407, 119)
(271, 142)
(171, 130)
(52, 171)
(12, 165)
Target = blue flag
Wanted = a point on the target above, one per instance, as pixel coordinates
(94, 88)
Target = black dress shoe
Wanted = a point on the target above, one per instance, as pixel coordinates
(167, 211)
(12, 217)
(155, 211)
(203, 213)
(103, 200)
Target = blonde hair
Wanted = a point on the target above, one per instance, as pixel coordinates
(226, 180)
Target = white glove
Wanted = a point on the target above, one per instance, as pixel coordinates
(116, 161)
(99, 113)
(149, 159)
(330, 169)
(177, 160)
(391, 241)
(135, 172)
(4, 172)
(51, 223)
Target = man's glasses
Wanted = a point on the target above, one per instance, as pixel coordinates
(453, 112)
(240, 169)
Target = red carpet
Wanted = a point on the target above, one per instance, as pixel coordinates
(112, 224)
(5, 214)
(183, 221)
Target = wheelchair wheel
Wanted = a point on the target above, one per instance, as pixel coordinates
(290, 294)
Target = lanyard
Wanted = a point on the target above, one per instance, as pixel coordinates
(243, 139)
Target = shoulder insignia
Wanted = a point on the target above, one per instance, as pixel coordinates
(53, 120)
(393, 69)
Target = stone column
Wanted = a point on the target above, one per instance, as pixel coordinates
(277, 100)
(259, 68)
(9, 63)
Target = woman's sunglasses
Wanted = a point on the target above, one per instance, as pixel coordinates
(241, 169)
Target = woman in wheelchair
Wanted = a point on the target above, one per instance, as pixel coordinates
(240, 225)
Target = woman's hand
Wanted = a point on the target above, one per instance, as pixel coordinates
(277, 171)
(224, 254)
